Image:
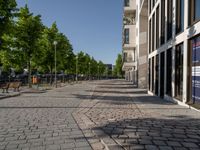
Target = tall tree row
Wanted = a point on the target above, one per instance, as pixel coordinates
(25, 43)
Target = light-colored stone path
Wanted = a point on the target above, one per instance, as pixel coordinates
(43, 120)
(119, 116)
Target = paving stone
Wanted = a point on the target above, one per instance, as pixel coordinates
(159, 143)
(68, 145)
(189, 145)
(53, 147)
(115, 147)
(151, 147)
(165, 148)
(37, 148)
(175, 144)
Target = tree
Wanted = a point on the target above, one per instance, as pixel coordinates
(102, 68)
(64, 52)
(27, 34)
(7, 12)
(118, 67)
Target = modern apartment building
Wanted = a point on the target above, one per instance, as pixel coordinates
(142, 41)
(135, 41)
(174, 49)
(129, 41)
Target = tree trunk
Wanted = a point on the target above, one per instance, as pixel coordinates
(51, 77)
(29, 73)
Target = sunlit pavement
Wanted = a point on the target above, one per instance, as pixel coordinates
(43, 120)
(119, 116)
(96, 115)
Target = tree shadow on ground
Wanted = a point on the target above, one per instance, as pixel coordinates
(117, 87)
(175, 132)
(124, 100)
(120, 92)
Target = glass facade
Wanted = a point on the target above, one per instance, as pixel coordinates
(179, 72)
(169, 19)
(169, 73)
(162, 22)
(179, 16)
(194, 11)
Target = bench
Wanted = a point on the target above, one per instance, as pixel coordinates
(4, 87)
(15, 85)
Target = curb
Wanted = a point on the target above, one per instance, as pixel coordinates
(9, 96)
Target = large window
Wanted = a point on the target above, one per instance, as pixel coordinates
(126, 36)
(194, 70)
(150, 36)
(152, 70)
(126, 3)
(162, 73)
(153, 32)
(169, 73)
(169, 19)
(157, 74)
(179, 72)
(149, 6)
(162, 22)
(179, 16)
(194, 11)
(157, 27)
(150, 74)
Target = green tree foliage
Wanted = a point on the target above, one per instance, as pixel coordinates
(64, 52)
(27, 43)
(7, 12)
(118, 67)
(101, 68)
(27, 34)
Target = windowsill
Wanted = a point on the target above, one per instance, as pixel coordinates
(180, 32)
(193, 23)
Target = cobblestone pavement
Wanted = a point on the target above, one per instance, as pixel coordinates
(43, 121)
(119, 116)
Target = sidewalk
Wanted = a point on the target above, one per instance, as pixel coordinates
(34, 89)
(119, 116)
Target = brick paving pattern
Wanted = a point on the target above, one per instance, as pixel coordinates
(42, 121)
(97, 115)
(119, 116)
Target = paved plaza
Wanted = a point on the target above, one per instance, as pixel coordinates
(97, 115)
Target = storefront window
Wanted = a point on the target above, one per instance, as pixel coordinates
(179, 72)
(195, 69)
(169, 73)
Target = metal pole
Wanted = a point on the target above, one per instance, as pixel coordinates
(55, 68)
(76, 68)
(89, 72)
(98, 72)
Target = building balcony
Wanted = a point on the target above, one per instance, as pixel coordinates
(131, 7)
(127, 66)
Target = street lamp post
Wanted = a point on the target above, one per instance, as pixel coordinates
(98, 72)
(89, 71)
(77, 68)
(55, 43)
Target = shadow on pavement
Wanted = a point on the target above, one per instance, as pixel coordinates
(120, 92)
(180, 132)
(120, 100)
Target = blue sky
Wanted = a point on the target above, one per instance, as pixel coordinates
(92, 26)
